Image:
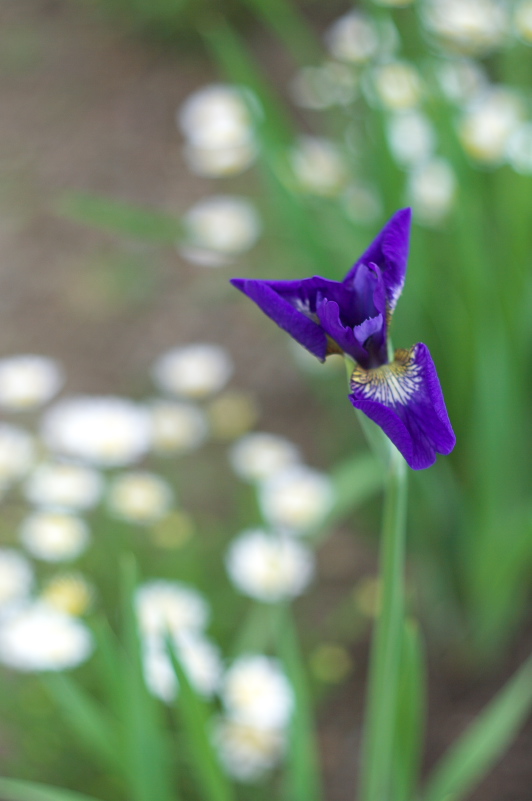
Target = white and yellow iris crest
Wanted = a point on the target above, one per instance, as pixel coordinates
(391, 384)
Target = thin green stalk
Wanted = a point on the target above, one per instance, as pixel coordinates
(384, 671)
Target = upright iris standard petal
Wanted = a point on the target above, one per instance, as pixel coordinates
(405, 399)
(389, 251)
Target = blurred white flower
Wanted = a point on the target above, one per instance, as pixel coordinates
(35, 637)
(363, 204)
(296, 499)
(170, 607)
(255, 691)
(200, 660)
(320, 87)
(177, 427)
(17, 452)
(259, 455)
(397, 85)
(472, 26)
(411, 137)
(231, 414)
(16, 576)
(217, 124)
(54, 536)
(488, 124)
(103, 430)
(319, 166)
(140, 497)
(431, 189)
(64, 485)
(68, 592)
(247, 752)
(218, 162)
(28, 381)
(269, 567)
(218, 229)
(519, 149)
(353, 38)
(522, 21)
(193, 371)
(462, 80)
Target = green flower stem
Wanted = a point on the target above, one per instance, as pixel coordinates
(384, 669)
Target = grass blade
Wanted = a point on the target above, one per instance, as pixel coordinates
(12, 790)
(471, 757)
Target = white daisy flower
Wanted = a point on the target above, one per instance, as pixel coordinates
(28, 381)
(319, 166)
(488, 124)
(431, 190)
(218, 229)
(398, 85)
(200, 660)
(353, 38)
(64, 485)
(16, 576)
(17, 453)
(103, 430)
(247, 752)
(473, 26)
(296, 499)
(140, 497)
(269, 567)
(170, 607)
(255, 691)
(411, 137)
(34, 636)
(259, 455)
(193, 371)
(54, 536)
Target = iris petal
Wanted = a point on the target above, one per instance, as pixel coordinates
(296, 322)
(389, 251)
(405, 399)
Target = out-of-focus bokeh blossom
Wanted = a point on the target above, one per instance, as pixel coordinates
(219, 229)
(140, 497)
(396, 86)
(219, 130)
(461, 80)
(63, 485)
(362, 202)
(330, 84)
(319, 166)
(193, 371)
(296, 499)
(247, 752)
(28, 381)
(103, 430)
(470, 26)
(269, 567)
(411, 137)
(178, 427)
(431, 190)
(232, 414)
(54, 536)
(16, 576)
(199, 657)
(259, 455)
(522, 21)
(519, 149)
(36, 637)
(256, 691)
(69, 592)
(488, 124)
(353, 38)
(170, 607)
(17, 453)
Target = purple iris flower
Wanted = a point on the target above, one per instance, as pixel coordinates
(352, 317)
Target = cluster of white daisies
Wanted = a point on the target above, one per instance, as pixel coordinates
(219, 122)
(255, 696)
(89, 452)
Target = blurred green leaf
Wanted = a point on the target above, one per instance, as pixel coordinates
(119, 217)
(410, 723)
(85, 717)
(303, 775)
(473, 755)
(12, 790)
(146, 752)
(196, 719)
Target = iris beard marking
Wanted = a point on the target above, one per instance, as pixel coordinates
(391, 384)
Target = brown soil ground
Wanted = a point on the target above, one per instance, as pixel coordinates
(84, 107)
